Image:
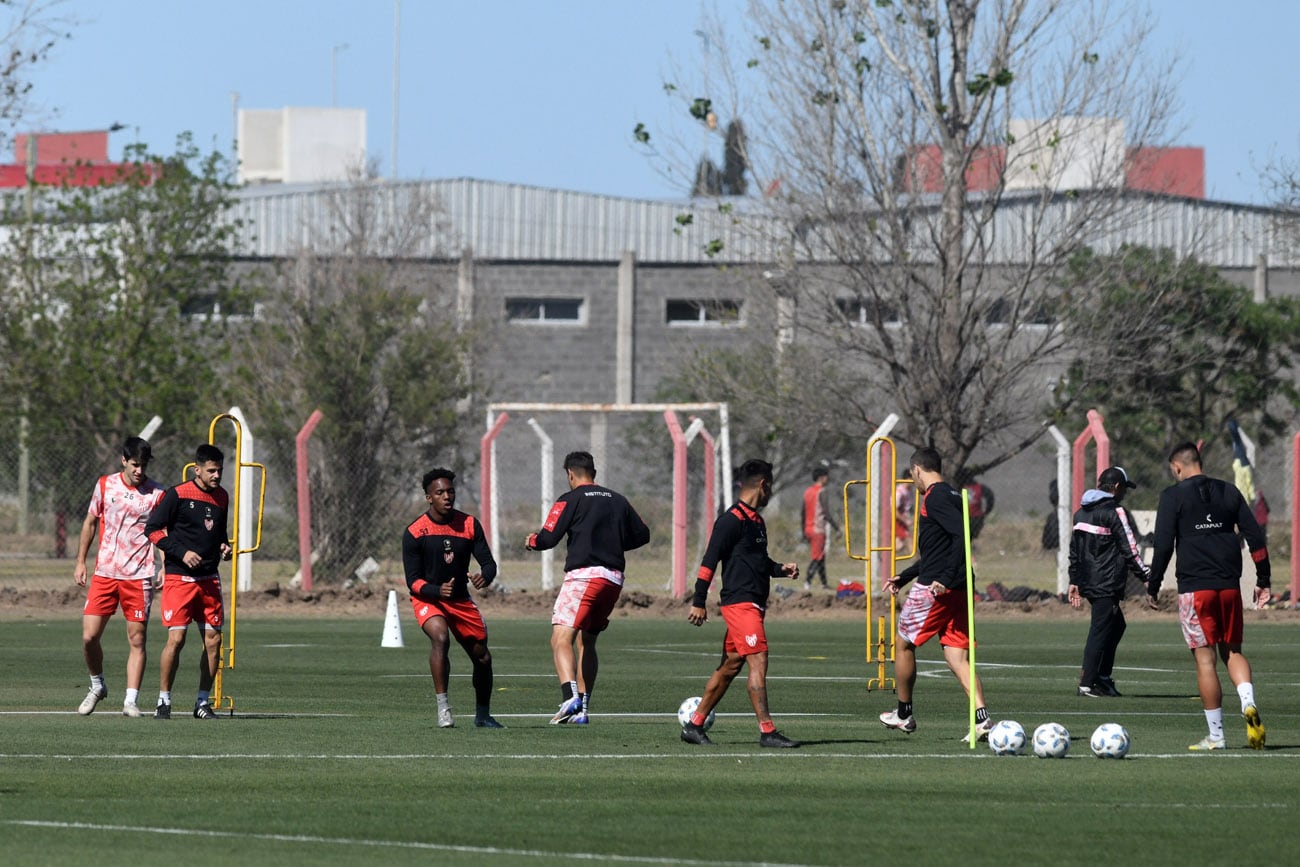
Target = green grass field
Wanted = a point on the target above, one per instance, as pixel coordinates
(332, 756)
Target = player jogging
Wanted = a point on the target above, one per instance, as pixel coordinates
(936, 604)
(738, 545)
(436, 548)
(600, 525)
(124, 570)
(1200, 516)
(190, 526)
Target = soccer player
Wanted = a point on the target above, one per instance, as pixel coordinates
(936, 604)
(190, 524)
(124, 570)
(817, 526)
(1103, 550)
(1201, 516)
(601, 526)
(738, 544)
(436, 548)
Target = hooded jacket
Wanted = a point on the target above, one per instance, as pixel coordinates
(1103, 547)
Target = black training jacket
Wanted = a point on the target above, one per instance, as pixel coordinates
(1103, 548)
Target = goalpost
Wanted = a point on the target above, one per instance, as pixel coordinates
(507, 453)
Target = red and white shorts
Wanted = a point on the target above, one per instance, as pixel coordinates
(1211, 617)
(745, 634)
(586, 598)
(925, 615)
(185, 602)
(134, 595)
(464, 620)
(817, 546)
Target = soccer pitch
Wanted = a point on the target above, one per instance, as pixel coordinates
(333, 756)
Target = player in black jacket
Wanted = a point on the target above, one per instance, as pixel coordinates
(1201, 517)
(738, 545)
(1103, 550)
(436, 548)
(600, 525)
(936, 604)
(190, 525)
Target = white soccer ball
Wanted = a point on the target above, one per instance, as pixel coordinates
(688, 707)
(1051, 741)
(1110, 741)
(1007, 738)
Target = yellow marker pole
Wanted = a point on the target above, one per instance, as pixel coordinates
(970, 608)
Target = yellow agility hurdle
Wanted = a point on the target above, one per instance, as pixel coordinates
(880, 645)
(226, 658)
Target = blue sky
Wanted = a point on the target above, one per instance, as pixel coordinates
(547, 92)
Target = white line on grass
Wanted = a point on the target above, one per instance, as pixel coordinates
(567, 855)
(961, 753)
(220, 714)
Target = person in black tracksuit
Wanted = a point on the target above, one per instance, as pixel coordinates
(1103, 549)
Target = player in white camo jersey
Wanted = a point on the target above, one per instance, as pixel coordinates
(125, 565)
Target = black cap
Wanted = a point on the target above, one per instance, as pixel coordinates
(1114, 476)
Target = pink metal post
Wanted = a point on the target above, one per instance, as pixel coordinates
(1295, 521)
(679, 503)
(710, 483)
(1096, 430)
(485, 477)
(304, 498)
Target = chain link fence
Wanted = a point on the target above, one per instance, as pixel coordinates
(634, 455)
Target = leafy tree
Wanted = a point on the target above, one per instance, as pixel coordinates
(359, 331)
(108, 318)
(893, 139)
(1177, 351)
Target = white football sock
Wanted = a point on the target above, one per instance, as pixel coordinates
(165, 696)
(1215, 720)
(442, 700)
(131, 696)
(1246, 692)
(97, 683)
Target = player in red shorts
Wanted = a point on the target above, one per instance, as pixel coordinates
(738, 544)
(436, 548)
(191, 526)
(124, 570)
(936, 604)
(817, 526)
(1201, 516)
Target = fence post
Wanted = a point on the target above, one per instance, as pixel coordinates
(304, 497)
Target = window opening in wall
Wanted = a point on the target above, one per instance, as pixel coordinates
(681, 311)
(562, 310)
(861, 311)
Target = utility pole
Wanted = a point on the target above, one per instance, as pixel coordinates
(397, 53)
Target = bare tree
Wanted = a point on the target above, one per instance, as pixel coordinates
(360, 329)
(29, 31)
(929, 168)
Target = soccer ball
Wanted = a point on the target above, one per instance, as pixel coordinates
(1110, 741)
(1007, 738)
(688, 707)
(1051, 741)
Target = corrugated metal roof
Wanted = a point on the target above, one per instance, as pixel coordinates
(515, 222)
